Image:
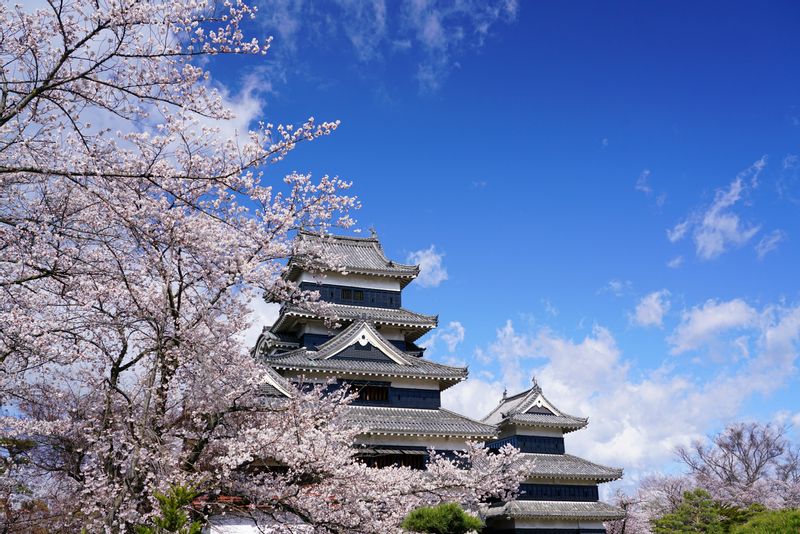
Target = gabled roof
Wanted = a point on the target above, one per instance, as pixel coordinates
(363, 333)
(275, 385)
(598, 511)
(567, 466)
(531, 408)
(417, 323)
(417, 422)
(396, 363)
(269, 340)
(361, 255)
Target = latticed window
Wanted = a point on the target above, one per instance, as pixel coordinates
(372, 393)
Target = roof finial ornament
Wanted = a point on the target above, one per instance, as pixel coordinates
(505, 394)
(535, 383)
(373, 233)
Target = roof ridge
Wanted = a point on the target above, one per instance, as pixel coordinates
(465, 417)
(620, 469)
(365, 239)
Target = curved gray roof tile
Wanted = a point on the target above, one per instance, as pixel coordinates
(599, 511)
(567, 466)
(414, 421)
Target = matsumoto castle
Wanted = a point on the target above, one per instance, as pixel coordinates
(399, 391)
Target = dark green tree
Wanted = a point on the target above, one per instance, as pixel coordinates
(174, 517)
(697, 513)
(769, 522)
(448, 518)
(733, 516)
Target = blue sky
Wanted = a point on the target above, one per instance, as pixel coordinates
(604, 194)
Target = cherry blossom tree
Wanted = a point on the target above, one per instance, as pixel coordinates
(747, 463)
(133, 234)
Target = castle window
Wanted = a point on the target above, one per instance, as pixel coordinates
(358, 294)
(347, 294)
(372, 393)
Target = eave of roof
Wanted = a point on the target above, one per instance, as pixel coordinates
(416, 323)
(598, 511)
(359, 255)
(568, 467)
(301, 360)
(513, 411)
(417, 422)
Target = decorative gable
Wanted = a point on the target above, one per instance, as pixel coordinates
(536, 403)
(361, 352)
(361, 341)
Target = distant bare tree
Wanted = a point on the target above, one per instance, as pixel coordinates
(746, 463)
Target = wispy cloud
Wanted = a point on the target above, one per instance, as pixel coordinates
(718, 227)
(651, 309)
(769, 243)
(549, 308)
(643, 183)
(451, 336)
(438, 33)
(617, 287)
(431, 270)
(675, 262)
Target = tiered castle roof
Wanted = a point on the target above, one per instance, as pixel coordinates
(348, 341)
(362, 337)
(357, 255)
(532, 409)
(558, 487)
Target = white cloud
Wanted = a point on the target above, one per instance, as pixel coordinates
(617, 287)
(262, 314)
(675, 262)
(642, 183)
(718, 228)
(702, 325)
(678, 231)
(474, 397)
(432, 272)
(651, 309)
(638, 416)
(549, 308)
(769, 243)
(451, 335)
(437, 32)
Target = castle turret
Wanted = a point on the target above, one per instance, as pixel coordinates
(369, 347)
(560, 493)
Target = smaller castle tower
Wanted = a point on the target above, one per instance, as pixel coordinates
(560, 493)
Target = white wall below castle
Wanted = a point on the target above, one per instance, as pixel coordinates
(352, 280)
(440, 443)
(530, 523)
(317, 326)
(234, 524)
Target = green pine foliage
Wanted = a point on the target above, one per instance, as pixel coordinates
(698, 513)
(448, 518)
(174, 517)
(771, 522)
(733, 516)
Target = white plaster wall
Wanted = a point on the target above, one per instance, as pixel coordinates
(317, 326)
(528, 523)
(355, 280)
(440, 443)
(232, 524)
(565, 481)
(395, 382)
